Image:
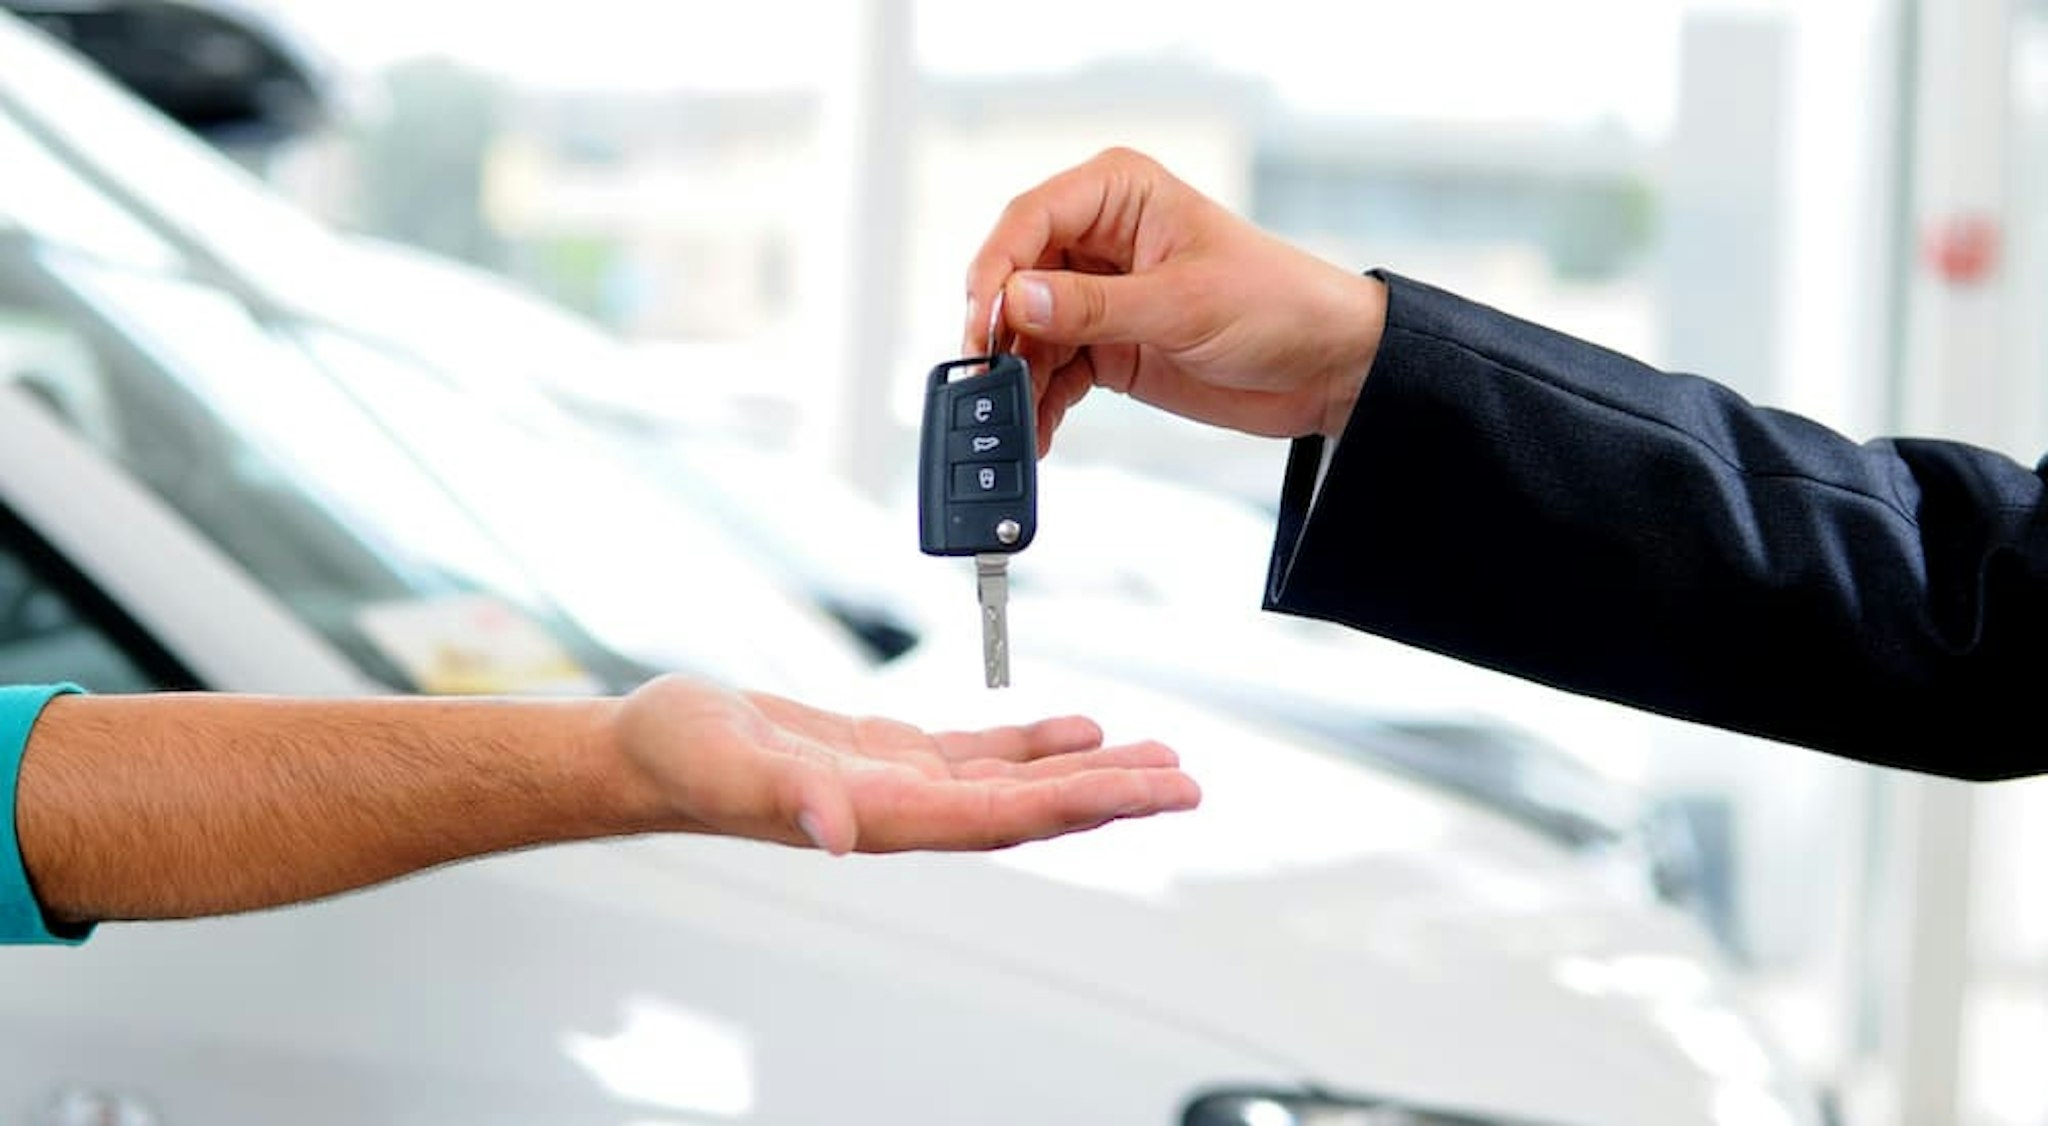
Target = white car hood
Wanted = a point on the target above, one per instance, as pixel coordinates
(1343, 922)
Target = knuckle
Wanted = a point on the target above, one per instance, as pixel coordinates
(1123, 158)
(1092, 305)
(1020, 206)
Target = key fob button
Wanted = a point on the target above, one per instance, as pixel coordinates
(986, 523)
(996, 480)
(994, 407)
(982, 444)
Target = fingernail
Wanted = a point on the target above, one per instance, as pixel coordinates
(1034, 297)
(808, 822)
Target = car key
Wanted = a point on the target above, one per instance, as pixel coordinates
(978, 478)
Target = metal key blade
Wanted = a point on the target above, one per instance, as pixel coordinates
(992, 583)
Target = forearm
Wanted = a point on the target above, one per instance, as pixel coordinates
(178, 805)
(1530, 502)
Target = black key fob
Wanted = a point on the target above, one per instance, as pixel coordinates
(977, 482)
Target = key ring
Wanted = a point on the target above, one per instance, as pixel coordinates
(995, 322)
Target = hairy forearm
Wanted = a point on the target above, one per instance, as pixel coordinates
(178, 805)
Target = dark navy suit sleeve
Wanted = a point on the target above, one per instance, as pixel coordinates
(1523, 500)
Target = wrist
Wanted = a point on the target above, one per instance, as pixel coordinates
(620, 793)
(1362, 320)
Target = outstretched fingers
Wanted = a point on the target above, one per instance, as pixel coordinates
(984, 814)
(1130, 756)
(1060, 735)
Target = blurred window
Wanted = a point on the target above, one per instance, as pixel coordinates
(1518, 165)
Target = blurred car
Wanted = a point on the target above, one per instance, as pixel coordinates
(217, 472)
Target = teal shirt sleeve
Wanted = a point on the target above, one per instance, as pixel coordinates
(21, 917)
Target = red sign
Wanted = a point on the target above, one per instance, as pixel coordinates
(1963, 250)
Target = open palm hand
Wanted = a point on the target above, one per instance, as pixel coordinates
(756, 765)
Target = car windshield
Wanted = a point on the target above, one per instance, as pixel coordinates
(647, 573)
(241, 434)
(344, 473)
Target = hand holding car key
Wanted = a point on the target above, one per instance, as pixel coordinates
(977, 481)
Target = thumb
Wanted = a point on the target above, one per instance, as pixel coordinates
(825, 812)
(1065, 307)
